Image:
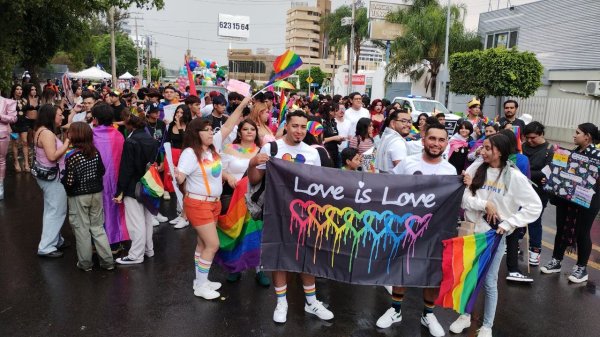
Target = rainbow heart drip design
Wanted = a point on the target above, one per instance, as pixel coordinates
(366, 228)
(244, 150)
(214, 166)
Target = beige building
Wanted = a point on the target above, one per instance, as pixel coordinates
(245, 65)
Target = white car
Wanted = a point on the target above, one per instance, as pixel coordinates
(419, 105)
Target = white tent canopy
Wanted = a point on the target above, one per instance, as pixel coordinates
(92, 73)
(126, 76)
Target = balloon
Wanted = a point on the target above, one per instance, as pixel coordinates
(193, 64)
(202, 64)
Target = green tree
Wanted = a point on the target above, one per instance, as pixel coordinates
(420, 50)
(315, 72)
(339, 36)
(156, 70)
(495, 72)
(33, 31)
(125, 51)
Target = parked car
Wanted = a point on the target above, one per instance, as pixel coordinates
(419, 105)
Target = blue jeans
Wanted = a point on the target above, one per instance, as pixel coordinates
(491, 286)
(55, 212)
(535, 229)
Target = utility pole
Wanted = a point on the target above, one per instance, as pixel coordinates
(137, 51)
(113, 56)
(446, 77)
(351, 56)
(148, 69)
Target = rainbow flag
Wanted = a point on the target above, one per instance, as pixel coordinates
(285, 65)
(465, 262)
(151, 189)
(517, 131)
(414, 130)
(282, 108)
(239, 234)
(312, 97)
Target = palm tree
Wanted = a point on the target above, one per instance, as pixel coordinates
(420, 50)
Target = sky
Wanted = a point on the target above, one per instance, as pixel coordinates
(171, 26)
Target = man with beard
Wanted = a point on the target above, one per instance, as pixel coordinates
(510, 116)
(430, 162)
(291, 145)
(393, 147)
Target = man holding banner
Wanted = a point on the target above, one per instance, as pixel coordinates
(291, 148)
(428, 163)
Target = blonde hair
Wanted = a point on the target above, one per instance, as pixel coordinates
(256, 118)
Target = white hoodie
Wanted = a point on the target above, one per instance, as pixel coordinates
(517, 206)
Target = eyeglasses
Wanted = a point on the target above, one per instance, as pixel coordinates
(403, 121)
(206, 130)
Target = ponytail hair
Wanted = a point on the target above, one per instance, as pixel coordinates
(591, 130)
(502, 144)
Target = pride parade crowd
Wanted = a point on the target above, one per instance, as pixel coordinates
(89, 158)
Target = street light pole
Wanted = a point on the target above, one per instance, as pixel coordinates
(113, 56)
(446, 77)
(351, 56)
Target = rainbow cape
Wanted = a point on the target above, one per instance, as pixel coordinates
(239, 234)
(285, 65)
(465, 262)
(517, 131)
(282, 108)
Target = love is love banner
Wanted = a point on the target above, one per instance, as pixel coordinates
(355, 227)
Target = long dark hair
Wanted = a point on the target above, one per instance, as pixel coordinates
(14, 88)
(238, 138)
(591, 130)
(362, 128)
(512, 138)
(192, 139)
(502, 144)
(27, 90)
(46, 117)
(326, 111)
(186, 117)
(82, 138)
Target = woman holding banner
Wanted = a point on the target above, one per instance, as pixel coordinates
(239, 235)
(499, 197)
(573, 222)
(200, 169)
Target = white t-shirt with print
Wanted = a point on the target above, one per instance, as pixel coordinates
(287, 152)
(189, 165)
(415, 163)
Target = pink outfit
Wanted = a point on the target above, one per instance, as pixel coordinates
(267, 139)
(42, 159)
(8, 115)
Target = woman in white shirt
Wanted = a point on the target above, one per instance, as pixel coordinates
(200, 169)
(499, 197)
(236, 157)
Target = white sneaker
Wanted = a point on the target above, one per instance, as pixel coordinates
(518, 277)
(319, 310)
(484, 332)
(210, 284)
(155, 222)
(388, 318)
(461, 323)
(167, 196)
(127, 260)
(389, 289)
(161, 218)
(534, 258)
(431, 322)
(176, 220)
(205, 292)
(183, 223)
(280, 313)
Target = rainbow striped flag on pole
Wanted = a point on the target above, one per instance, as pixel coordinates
(282, 107)
(285, 65)
(465, 262)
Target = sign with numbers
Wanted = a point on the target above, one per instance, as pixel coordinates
(234, 26)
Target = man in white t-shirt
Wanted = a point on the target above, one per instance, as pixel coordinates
(292, 147)
(354, 113)
(81, 111)
(393, 147)
(430, 162)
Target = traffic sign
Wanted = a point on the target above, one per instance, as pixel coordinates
(309, 79)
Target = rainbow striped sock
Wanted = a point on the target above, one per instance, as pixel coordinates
(428, 307)
(202, 269)
(310, 292)
(397, 301)
(281, 293)
(196, 257)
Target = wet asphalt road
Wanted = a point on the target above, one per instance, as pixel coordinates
(51, 297)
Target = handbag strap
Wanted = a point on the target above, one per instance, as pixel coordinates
(205, 178)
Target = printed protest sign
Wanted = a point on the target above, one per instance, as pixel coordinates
(358, 227)
(573, 176)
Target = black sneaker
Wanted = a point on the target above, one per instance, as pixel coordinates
(553, 266)
(579, 274)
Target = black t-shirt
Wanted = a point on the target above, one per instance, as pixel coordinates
(517, 122)
(157, 130)
(216, 122)
(118, 112)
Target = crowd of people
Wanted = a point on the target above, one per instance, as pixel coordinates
(91, 150)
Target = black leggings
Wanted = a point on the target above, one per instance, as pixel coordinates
(585, 219)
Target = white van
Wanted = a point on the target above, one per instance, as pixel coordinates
(419, 105)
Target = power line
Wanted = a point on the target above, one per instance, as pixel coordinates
(214, 41)
(215, 22)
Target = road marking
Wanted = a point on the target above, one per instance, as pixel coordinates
(592, 264)
(553, 232)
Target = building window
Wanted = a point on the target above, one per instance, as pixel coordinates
(502, 39)
(251, 67)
